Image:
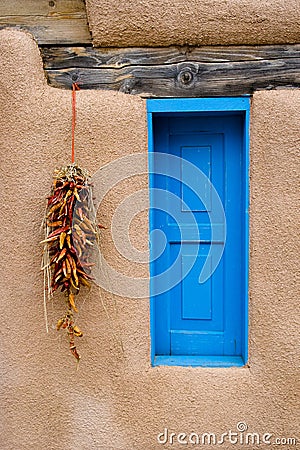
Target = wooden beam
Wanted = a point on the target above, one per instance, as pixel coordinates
(52, 22)
(175, 72)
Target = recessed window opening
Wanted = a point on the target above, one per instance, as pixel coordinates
(198, 160)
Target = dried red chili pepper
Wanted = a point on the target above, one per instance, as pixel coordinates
(70, 233)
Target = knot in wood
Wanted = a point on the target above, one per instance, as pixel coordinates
(186, 77)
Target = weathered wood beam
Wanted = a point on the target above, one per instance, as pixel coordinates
(52, 22)
(175, 72)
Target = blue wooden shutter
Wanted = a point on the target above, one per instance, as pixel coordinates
(198, 322)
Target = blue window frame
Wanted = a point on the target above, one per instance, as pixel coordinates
(198, 173)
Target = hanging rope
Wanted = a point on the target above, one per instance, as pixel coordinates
(74, 89)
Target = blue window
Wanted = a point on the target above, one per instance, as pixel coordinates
(198, 164)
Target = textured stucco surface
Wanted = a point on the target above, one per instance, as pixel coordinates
(213, 22)
(115, 400)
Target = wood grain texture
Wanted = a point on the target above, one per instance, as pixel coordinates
(41, 7)
(175, 72)
(51, 22)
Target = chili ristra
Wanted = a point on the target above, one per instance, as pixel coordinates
(71, 235)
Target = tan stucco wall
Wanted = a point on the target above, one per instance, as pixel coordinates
(115, 400)
(212, 22)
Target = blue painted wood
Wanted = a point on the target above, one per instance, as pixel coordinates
(196, 298)
(192, 318)
(201, 157)
(246, 200)
(196, 361)
(198, 104)
(151, 249)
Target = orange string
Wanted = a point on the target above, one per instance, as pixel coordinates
(74, 89)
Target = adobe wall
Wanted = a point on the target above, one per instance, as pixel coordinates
(213, 22)
(117, 400)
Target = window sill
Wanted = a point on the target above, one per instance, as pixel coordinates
(199, 361)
